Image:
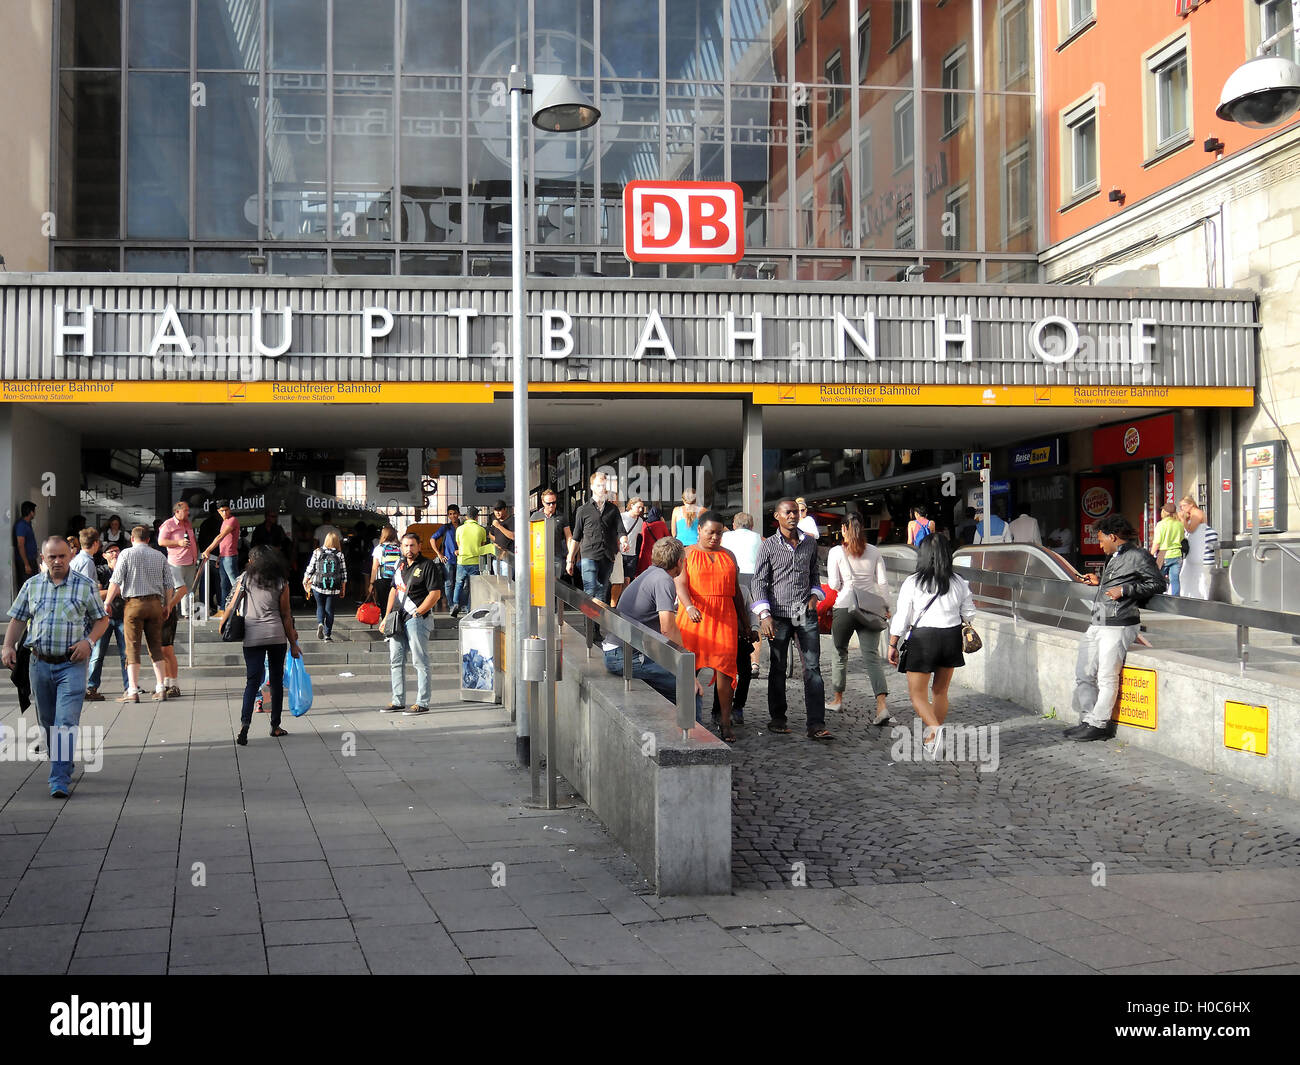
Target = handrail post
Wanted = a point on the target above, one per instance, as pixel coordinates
(686, 694)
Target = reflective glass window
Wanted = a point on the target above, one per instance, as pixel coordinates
(1008, 45)
(758, 36)
(298, 263)
(890, 59)
(363, 157)
(295, 157)
(229, 35)
(362, 262)
(90, 33)
(886, 200)
(87, 260)
(950, 174)
(695, 133)
(157, 260)
(227, 132)
(431, 37)
(431, 156)
(297, 32)
(629, 35)
(442, 264)
(1011, 208)
(223, 261)
(564, 37)
(158, 34)
(363, 36)
(758, 162)
(694, 39)
(158, 155)
(498, 36)
(90, 145)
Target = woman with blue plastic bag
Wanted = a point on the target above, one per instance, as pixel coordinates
(261, 597)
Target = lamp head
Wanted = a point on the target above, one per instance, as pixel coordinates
(1262, 92)
(559, 106)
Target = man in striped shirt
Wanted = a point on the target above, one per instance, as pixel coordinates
(60, 613)
(787, 589)
(1202, 552)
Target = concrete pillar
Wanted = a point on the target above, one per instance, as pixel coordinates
(751, 499)
(1221, 510)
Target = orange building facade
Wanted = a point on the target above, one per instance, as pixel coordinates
(1117, 62)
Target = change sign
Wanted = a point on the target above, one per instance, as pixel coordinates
(683, 222)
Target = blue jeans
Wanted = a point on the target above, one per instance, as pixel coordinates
(59, 691)
(1171, 570)
(325, 611)
(266, 662)
(448, 584)
(652, 673)
(460, 597)
(101, 649)
(810, 650)
(412, 637)
(229, 574)
(595, 577)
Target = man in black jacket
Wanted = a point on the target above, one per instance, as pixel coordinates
(1128, 580)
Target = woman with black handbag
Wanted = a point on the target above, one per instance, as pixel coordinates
(857, 574)
(261, 602)
(925, 635)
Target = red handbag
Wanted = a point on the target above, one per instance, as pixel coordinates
(368, 614)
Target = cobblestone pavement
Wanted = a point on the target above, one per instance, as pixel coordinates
(185, 854)
(853, 812)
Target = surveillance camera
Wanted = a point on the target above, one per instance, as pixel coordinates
(1262, 92)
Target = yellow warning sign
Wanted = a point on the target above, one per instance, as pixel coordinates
(1136, 704)
(538, 561)
(1245, 727)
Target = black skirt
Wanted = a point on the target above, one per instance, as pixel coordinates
(929, 650)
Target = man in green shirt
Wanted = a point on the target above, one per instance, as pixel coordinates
(1168, 546)
(471, 546)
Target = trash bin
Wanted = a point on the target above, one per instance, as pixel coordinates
(479, 638)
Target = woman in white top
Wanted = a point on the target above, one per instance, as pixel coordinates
(932, 604)
(857, 574)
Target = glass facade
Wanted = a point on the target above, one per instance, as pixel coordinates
(370, 136)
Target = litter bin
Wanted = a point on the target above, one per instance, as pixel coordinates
(480, 636)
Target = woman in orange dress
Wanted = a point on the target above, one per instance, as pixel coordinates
(710, 609)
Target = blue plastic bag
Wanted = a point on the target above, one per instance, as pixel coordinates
(297, 685)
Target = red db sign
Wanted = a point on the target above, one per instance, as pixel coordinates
(683, 222)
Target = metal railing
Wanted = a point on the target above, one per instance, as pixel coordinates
(635, 637)
(1068, 604)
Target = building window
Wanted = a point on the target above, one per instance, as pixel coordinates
(865, 185)
(807, 214)
(838, 197)
(1017, 197)
(904, 234)
(902, 22)
(956, 75)
(1015, 42)
(827, 5)
(1075, 15)
(956, 219)
(802, 125)
(1275, 15)
(835, 79)
(1167, 95)
(904, 132)
(800, 33)
(864, 45)
(1079, 150)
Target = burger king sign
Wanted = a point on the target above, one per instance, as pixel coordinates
(1096, 500)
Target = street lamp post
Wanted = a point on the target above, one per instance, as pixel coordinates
(558, 107)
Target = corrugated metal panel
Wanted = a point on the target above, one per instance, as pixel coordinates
(1205, 338)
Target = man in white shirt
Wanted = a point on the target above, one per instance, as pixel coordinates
(742, 541)
(84, 563)
(807, 524)
(1025, 530)
(325, 528)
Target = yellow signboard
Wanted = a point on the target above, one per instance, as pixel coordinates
(1136, 704)
(537, 561)
(1245, 727)
(278, 392)
(906, 395)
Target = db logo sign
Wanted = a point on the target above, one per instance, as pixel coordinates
(683, 222)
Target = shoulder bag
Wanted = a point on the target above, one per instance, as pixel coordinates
(970, 639)
(232, 626)
(867, 609)
(902, 644)
(392, 626)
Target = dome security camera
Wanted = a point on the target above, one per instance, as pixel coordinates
(1262, 92)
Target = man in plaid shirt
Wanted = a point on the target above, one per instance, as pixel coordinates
(63, 619)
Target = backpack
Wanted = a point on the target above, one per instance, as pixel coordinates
(923, 529)
(390, 555)
(327, 577)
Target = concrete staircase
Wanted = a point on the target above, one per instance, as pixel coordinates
(356, 649)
